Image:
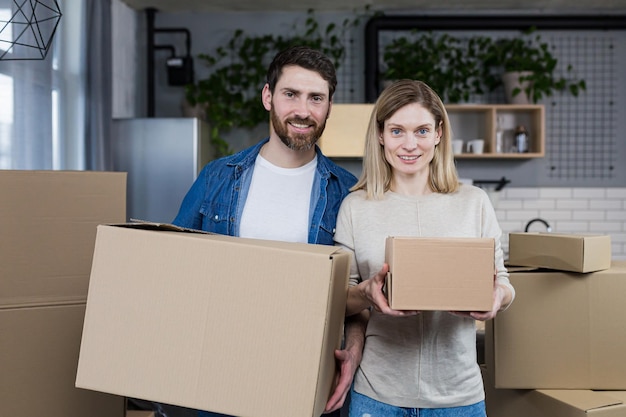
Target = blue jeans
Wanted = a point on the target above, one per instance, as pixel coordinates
(211, 414)
(363, 406)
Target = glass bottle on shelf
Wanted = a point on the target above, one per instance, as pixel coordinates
(499, 135)
(521, 139)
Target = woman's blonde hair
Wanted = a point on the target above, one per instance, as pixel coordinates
(377, 175)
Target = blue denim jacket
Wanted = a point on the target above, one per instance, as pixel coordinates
(215, 201)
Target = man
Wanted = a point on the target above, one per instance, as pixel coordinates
(283, 188)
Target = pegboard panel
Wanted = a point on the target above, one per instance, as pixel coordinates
(582, 133)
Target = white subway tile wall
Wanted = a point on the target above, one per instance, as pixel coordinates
(567, 210)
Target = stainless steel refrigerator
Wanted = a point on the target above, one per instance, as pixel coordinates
(162, 157)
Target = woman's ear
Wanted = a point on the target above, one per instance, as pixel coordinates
(439, 134)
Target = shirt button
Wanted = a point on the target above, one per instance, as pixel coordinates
(216, 217)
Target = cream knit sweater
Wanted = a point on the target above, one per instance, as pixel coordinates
(428, 360)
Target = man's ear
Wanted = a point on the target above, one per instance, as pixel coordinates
(266, 97)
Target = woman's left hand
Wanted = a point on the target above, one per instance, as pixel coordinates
(500, 295)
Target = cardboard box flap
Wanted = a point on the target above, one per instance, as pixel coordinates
(167, 227)
(582, 399)
(459, 242)
(148, 225)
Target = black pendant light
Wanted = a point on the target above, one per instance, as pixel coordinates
(28, 32)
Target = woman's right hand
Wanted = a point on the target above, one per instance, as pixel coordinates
(371, 290)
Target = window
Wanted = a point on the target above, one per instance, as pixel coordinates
(40, 120)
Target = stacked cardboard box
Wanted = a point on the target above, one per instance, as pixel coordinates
(560, 349)
(48, 221)
(562, 252)
(211, 322)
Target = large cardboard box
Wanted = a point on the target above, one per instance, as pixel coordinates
(48, 221)
(504, 402)
(453, 274)
(238, 326)
(551, 403)
(565, 252)
(565, 330)
(39, 355)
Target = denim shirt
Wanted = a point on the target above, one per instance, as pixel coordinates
(215, 201)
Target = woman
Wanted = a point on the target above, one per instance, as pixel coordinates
(414, 363)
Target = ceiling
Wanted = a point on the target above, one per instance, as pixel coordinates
(386, 5)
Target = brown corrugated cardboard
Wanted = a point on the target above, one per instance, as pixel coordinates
(452, 274)
(345, 131)
(564, 330)
(139, 413)
(39, 356)
(565, 252)
(232, 325)
(503, 402)
(48, 221)
(551, 403)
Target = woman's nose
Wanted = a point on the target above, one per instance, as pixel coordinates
(410, 142)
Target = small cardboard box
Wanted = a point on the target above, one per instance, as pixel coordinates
(48, 221)
(451, 274)
(576, 253)
(565, 330)
(237, 326)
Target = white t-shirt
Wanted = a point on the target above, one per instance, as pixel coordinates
(277, 206)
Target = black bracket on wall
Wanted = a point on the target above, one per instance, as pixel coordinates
(478, 23)
(180, 68)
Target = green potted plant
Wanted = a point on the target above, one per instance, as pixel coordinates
(527, 62)
(452, 66)
(229, 96)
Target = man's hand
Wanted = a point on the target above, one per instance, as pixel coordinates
(347, 365)
(348, 360)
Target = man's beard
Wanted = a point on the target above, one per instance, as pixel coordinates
(297, 142)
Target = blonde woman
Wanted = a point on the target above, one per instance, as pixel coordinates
(414, 363)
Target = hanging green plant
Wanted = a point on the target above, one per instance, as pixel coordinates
(229, 96)
(461, 67)
(531, 59)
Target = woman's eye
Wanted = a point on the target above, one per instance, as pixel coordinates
(395, 132)
(422, 131)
